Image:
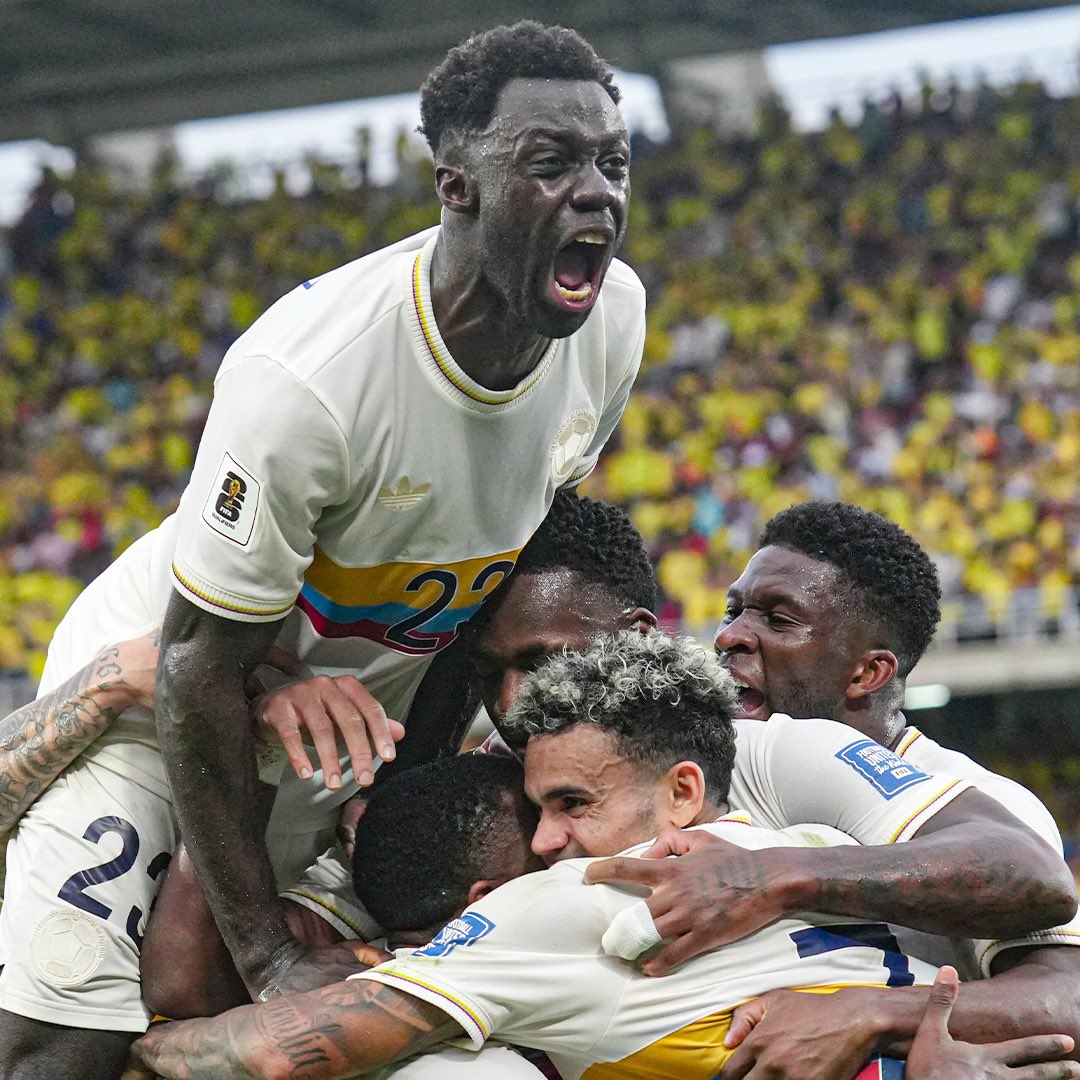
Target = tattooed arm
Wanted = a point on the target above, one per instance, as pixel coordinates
(39, 741)
(973, 870)
(329, 1034)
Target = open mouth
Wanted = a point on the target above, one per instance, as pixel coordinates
(752, 703)
(577, 269)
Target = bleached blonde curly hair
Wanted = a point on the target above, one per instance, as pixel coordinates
(662, 699)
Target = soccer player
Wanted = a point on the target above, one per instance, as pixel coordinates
(632, 736)
(381, 445)
(828, 619)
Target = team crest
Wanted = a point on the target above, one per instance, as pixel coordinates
(233, 502)
(571, 443)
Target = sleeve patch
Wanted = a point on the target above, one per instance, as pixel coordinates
(464, 930)
(885, 771)
(233, 502)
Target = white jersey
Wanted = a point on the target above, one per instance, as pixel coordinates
(353, 478)
(786, 772)
(973, 958)
(525, 965)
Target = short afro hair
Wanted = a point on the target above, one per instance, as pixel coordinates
(592, 539)
(890, 576)
(428, 834)
(460, 94)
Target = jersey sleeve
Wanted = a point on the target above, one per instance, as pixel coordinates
(326, 889)
(271, 458)
(613, 409)
(792, 771)
(521, 962)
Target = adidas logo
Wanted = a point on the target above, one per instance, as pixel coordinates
(403, 497)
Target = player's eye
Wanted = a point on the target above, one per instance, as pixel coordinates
(615, 166)
(571, 803)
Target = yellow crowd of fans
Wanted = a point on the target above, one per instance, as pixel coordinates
(886, 312)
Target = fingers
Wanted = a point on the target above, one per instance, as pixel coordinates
(935, 1021)
(674, 842)
(372, 715)
(744, 1021)
(368, 954)
(672, 955)
(1031, 1050)
(1053, 1070)
(622, 869)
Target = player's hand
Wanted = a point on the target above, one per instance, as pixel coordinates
(127, 672)
(312, 968)
(935, 1055)
(320, 710)
(787, 1035)
(712, 894)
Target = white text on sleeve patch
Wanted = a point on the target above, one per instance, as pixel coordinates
(233, 502)
(887, 772)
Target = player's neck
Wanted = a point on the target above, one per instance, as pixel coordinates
(489, 346)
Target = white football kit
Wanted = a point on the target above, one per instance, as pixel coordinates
(525, 965)
(786, 772)
(351, 479)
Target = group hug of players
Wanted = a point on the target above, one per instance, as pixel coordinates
(380, 533)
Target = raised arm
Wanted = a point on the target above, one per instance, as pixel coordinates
(40, 740)
(333, 1033)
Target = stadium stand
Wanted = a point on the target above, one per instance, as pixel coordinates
(884, 312)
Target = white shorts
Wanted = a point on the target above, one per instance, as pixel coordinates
(83, 869)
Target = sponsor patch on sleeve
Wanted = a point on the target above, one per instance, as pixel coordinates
(233, 502)
(887, 772)
(467, 929)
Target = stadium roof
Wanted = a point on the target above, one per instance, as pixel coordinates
(74, 68)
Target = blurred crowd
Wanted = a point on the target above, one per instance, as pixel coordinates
(886, 312)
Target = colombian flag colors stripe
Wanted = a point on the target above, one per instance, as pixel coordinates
(413, 608)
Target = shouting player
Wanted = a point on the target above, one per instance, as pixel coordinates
(630, 737)
(381, 444)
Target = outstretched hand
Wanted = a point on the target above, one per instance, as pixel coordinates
(713, 893)
(935, 1055)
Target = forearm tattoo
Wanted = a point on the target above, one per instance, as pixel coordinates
(337, 1031)
(40, 740)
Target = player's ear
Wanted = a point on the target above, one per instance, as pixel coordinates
(479, 889)
(640, 619)
(685, 790)
(875, 670)
(456, 189)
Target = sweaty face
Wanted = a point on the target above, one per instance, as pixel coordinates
(552, 171)
(540, 614)
(593, 802)
(786, 639)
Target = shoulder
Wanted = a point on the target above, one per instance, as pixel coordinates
(325, 319)
(624, 280)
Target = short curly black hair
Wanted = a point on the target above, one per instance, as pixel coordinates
(594, 540)
(428, 834)
(460, 94)
(890, 576)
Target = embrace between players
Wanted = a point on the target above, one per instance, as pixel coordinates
(382, 446)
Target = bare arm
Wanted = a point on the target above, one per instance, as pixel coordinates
(787, 1035)
(207, 745)
(973, 870)
(185, 968)
(442, 712)
(39, 741)
(332, 1033)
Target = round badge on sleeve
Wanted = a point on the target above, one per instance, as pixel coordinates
(67, 948)
(571, 443)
